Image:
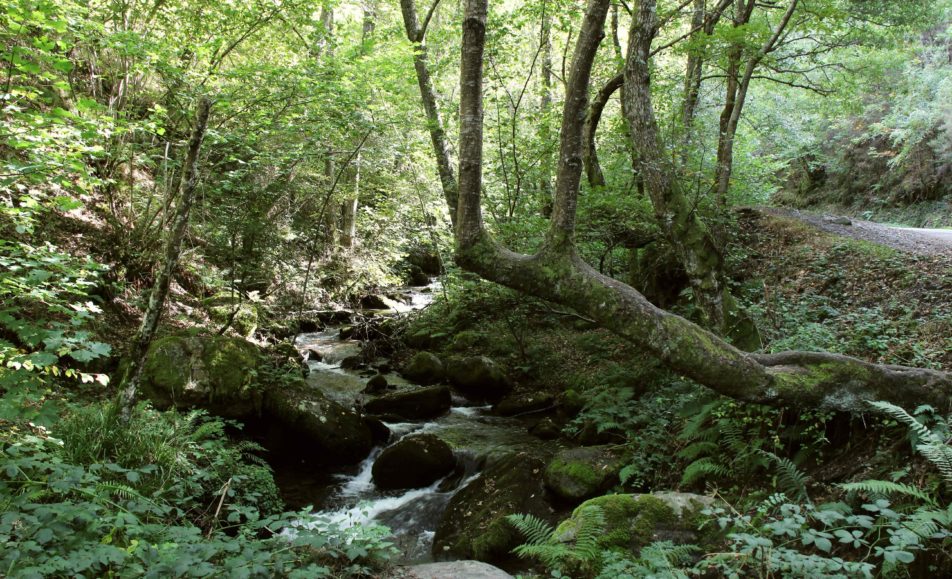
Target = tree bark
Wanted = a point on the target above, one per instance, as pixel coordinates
(173, 247)
(545, 129)
(676, 212)
(349, 217)
(556, 273)
(441, 145)
(737, 86)
(332, 212)
(593, 170)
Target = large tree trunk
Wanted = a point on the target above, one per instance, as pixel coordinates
(173, 248)
(441, 145)
(557, 274)
(675, 211)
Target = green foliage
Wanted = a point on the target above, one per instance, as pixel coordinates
(830, 540)
(103, 518)
(659, 560)
(579, 555)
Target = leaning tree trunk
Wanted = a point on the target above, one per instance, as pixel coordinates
(441, 145)
(173, 247)
(556, 273)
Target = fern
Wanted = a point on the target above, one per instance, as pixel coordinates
(696, 449)
(931, 445)
(886, 488)
(921, 432)
(703, 467)
(789, 477)
(581, 554)
(535, 530)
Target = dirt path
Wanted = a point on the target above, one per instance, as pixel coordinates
(909, 239)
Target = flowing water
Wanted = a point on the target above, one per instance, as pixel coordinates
(348, 496)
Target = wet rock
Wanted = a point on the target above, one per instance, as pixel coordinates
(426, 260)
(313, 355)
(546, 429)
(633, 521)
(377, 302)
(378, 430)
(579, 473)
(352, 363)
(215, 373)
(413, 462)
(305, 418)
(308, 325)
(347, 332)
(424, 368)
(452, 570)
(412, 403)
(417, 277)
(474, 525)
(376, 385)
(478, 376)
(334, 317)
(519, 403)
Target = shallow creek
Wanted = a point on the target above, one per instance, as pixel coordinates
(347, 495)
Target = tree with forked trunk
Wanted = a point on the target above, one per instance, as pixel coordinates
(557, 273)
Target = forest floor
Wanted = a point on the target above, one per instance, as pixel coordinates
(908, 239)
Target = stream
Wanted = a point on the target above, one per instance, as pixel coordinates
(348, 496)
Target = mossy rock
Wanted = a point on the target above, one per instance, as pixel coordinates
(633, 521)
(467, 340)
(302, 417)
(478, 376)
(579, 473)
(220, 307)
(217, 373)
(474, 525)
(424, 368)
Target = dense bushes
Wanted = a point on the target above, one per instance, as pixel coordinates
(166, 495)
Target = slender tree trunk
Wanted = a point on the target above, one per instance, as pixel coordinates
(593, 169)
(441, 145)
(557, 274)
(173, 247)
(695, 64)
(332, 211)
(737, 86)
(349, 219)
(545, 129)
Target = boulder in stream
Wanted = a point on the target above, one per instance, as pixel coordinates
(474, 524)
(303, 417)
(377, 302)
(412, 403)
(376, 384)
(413, 462)
(215, 373)
(424, 368)
(478, 376)
(579, 473)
